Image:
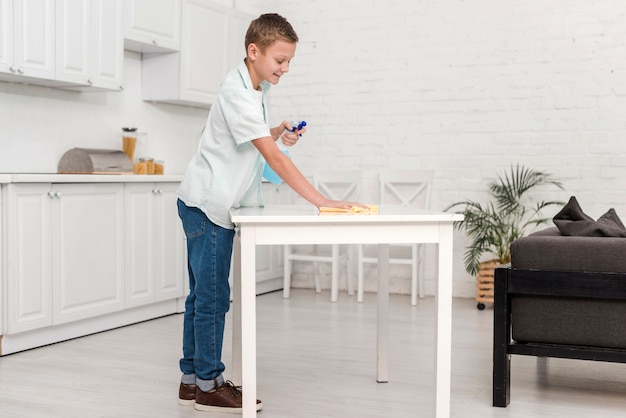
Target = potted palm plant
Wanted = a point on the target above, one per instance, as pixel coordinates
(492, 227)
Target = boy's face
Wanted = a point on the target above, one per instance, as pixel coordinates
(271, 64)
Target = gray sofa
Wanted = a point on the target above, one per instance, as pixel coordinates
(561, 296)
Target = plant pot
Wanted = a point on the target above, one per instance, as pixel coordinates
(484, 283)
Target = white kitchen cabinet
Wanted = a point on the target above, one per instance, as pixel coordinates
(88, 250)
(73, 18)
(64, 253)
(155, 259)
(107, 43)
(192, 76)
(28, 257)
(6, 35)
(62, 43)
(90, 43)
(152, 25)
(27, 40)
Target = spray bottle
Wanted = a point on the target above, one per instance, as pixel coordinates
(269, 174)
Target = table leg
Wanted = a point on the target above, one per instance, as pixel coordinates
(248, 320)
(236, 312)
(443, 323)
(382, 375)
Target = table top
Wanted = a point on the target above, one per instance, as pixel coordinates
(299, 214)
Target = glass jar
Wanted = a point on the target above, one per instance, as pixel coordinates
(129, 142)
(159, 167)
(142, 166)
(150, 165)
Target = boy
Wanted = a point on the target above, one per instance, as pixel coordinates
(226, 173)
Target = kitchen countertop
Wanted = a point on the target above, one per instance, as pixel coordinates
(87, 178)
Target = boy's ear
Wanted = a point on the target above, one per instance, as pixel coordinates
(253, 51)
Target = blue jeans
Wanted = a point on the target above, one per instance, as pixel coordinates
(209, 250)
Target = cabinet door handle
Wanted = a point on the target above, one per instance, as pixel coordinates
(51, 193)
(57, 194)
(20, 70)
(54, 194)
(12, 68)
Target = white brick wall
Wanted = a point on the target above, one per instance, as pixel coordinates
(464, 87)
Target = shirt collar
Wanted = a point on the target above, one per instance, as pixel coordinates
(245, 76)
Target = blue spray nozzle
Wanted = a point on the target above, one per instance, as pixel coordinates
(297, 125)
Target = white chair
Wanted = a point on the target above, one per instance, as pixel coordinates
(406, 188)
(337, 185)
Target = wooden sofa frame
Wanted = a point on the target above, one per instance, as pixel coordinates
(510, 282)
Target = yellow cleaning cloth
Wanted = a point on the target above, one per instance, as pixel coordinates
(353, 209)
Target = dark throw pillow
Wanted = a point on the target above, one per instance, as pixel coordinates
(572, 221)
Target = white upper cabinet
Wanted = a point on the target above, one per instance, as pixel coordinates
(205, 47)
(193, 75)
(90, 43)
(107, 43)
(27, 47)
(152, 25)
(6, 35)
(72, 40)
(62, 43)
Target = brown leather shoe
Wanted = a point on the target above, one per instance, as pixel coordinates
(186, 394)
(224, 398)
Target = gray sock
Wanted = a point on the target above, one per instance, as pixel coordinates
(188, 379)
(207, 385)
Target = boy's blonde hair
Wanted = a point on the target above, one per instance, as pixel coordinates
(267, 29)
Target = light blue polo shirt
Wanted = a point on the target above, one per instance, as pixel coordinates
(225, 172)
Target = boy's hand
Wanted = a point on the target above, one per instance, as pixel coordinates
(290, 137)
(342, 204)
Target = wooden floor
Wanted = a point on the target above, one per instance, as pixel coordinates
(315, 359)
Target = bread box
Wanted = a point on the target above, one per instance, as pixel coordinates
(94, 161)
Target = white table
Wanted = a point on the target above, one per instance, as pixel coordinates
(305, 225)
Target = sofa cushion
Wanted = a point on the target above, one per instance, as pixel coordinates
(571, 321)
(548, 250)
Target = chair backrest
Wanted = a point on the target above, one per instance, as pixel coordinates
(406, 187)
(339, 184)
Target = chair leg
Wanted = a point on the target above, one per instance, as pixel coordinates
(316, 272)
(334, 285)
(421, 255)
(350, 269)
(359, 285)
(414, 288)
(286, 271)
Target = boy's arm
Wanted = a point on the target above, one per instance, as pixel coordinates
(290, 174)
